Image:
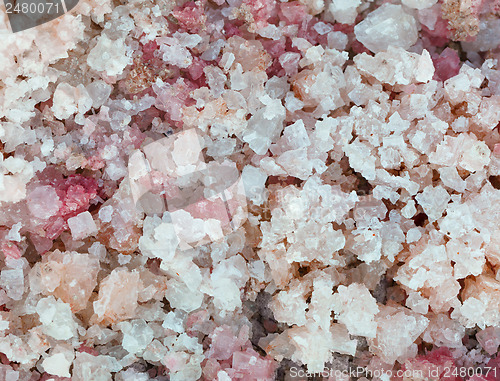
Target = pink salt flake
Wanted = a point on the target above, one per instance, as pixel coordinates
(438, 35)
(10, 250)
(89, 350)
(82, 225)
(43, 202)
(290, 62)
(196, 68)
(172, 98)
(42, 244)
(249, 365)
(489, 338)
(148, 50)
(54, 227)
(261, 10)
(293, 12)
(496, 149)
(211, 368)
(447, 65)
(437, 364)
(224, 343)
(118, 294)
(191, 16)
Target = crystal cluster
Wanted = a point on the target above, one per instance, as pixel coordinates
(251, 190)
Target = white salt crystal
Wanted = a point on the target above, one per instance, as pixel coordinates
(356, 308)
(450, 177)
(123, 259)
(487, 37)
(322, 28)
(417, 302)
(397, 330)
(344, 11)
(89, 367)
(105, 213)
(68, 100)
(13, 234)
(99, 91)
(409, 210)
(57, 365)
(136, 335)
(63, 101)
(254, 180)
(419, 4)
(188, 40)
(413, 235)
(180, 296)
(57, 319)
(213, 50)
(176, 55)
(475, 157)
(388, 25)
(337, 40)
(109, 56)
(82, 225)
(295, 136)
(433, 200)
(174, 322)
(12, 280)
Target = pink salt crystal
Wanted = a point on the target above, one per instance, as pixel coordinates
(89, 350)
(172, 98)
(43, 202)
(437, 364)
(224, 343)
(10, 250)
(75, 192)
(261, 10)
(211, 368)
(290, 62)
(191, 16)
(69, 276)
(82, 225)
(496, 149)
(293, 12)
(489, 339)
(148, 50)
(438, 35)
(249, 365)
(196, 68)
(447, 65)
(118, 294)
(42, 244)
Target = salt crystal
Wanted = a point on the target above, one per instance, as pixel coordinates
(254, 180)
(82, 225)
(322, 28)
(434, 201)
(344, 11)
(57, 364)
(118, 294)
(56, 318)
(99, 91)
(136, 335)
(356, 308)
(388, 25)
(419, 4)
(109, 56)
(12, 280)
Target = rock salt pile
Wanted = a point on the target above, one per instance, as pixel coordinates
(251, 190)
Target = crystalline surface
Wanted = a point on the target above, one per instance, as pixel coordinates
(251, 190)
